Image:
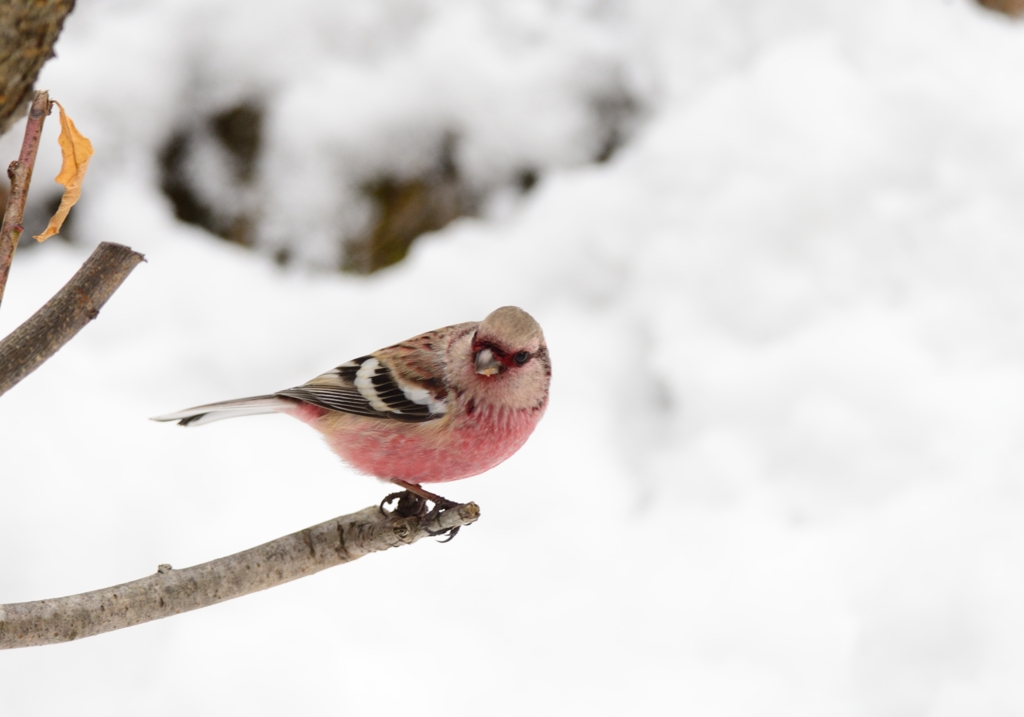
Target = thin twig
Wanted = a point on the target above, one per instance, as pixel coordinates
(169, 592)
(20, 172)
(63, 316)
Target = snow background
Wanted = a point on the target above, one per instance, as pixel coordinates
(782, 470)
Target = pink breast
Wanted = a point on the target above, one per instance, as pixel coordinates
(431, 452)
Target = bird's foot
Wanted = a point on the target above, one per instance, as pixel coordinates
(412, 501)
(409, 505)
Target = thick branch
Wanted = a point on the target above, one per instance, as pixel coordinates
(64, 315)
(28, 31)
(20, 173)
(169, 592)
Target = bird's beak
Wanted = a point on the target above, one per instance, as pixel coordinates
(486, 364)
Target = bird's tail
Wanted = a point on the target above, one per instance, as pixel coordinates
(227, 409)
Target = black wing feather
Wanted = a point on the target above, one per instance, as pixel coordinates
(347, 398)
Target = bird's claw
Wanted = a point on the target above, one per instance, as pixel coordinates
(412, 502)
(440, 506)
(409, 505)
(450, 532)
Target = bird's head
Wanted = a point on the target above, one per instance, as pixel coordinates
(508, 341)
(508, 366)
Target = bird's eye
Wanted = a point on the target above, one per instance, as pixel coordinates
(521, 357)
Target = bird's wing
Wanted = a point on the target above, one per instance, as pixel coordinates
(368, 386)
(404, 382)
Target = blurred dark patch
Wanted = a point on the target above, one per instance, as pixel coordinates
(526, 180)
(238, 130)
(405, 209)
(1013, 8)
(617, 113)
(175, 183)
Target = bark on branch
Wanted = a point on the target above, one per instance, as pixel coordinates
(169, 592)
(63, 316)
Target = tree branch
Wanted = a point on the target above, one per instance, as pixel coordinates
(20, 172)
(169, 592)
(63, 316)
(28, 31)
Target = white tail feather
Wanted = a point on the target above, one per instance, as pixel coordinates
(200, 415)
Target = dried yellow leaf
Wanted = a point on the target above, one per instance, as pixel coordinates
(76, 150)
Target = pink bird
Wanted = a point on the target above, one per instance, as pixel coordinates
(442, 406)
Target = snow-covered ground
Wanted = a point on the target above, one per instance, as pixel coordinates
(783, 468)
